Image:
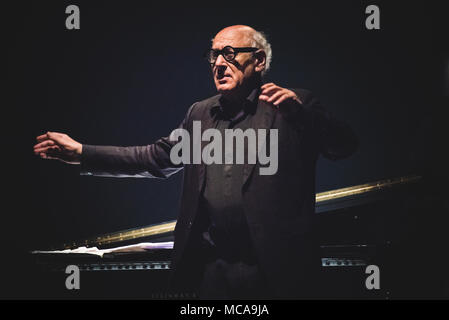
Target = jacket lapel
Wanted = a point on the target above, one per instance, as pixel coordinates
(207, 122)
(262, 119)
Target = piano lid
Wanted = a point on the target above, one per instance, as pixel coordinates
(325, 201)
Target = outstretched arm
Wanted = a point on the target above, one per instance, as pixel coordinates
(152, 161)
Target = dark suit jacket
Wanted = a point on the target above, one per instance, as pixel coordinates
(279, 208)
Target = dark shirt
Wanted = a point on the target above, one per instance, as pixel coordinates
(227, 231)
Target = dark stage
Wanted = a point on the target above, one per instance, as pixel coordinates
(128, 75)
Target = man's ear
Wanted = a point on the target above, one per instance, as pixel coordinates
(261, 59)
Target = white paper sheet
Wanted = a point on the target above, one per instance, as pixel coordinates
(140, 247)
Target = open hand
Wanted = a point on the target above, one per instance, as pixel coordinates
(55, 145)
(276, 95)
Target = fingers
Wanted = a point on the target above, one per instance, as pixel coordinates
(283, 97)
(47, 149)
(56, 136)
(271, 92)
(59, 146)
(276, 95)
(50, 136)
(42, 137)
(268, 85)
(268, 90)
(44, 144)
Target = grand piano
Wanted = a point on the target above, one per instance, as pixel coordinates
(398, 224)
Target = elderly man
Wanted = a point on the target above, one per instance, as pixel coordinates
(240, 234)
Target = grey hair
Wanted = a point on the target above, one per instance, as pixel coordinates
(259, 40)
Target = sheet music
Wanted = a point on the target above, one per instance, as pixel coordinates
(140, 247)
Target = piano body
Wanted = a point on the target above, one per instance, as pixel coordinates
(398, 225)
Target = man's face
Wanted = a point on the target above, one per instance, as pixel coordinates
(229, 77)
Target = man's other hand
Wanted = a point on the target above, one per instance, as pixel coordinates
(278, 96)
(54, 145)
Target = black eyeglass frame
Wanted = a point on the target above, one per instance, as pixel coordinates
(207, 53)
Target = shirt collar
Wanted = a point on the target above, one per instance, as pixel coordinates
(249, 105)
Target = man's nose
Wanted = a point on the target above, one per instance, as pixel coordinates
(221, 62)
(220, 66)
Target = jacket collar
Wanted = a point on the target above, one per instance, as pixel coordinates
(249, 105)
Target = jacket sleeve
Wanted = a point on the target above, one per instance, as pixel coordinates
(151, 161)
(335, 139)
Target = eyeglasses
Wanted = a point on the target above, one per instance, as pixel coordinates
(228, 52)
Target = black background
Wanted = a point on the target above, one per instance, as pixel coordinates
(129, 74)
